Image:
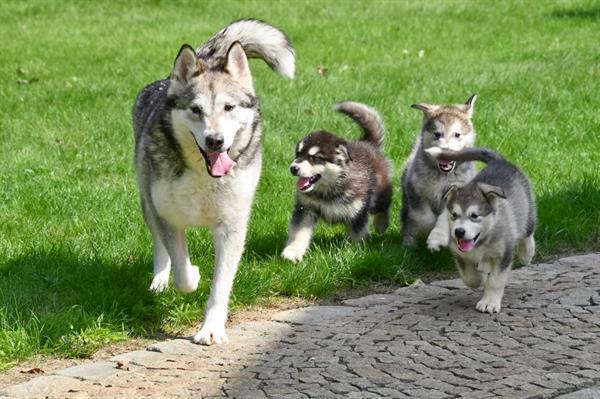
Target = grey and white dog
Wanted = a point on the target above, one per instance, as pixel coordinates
(425, 179)
(341, 181)
(198, 157)
(487, 221)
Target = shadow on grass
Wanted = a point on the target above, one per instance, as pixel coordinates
(592, 14)
(61, 302)
(570, 218)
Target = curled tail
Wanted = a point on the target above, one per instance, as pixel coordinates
(467, 154)
(258, 39)
(367, 118)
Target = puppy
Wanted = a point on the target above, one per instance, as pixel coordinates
(425, 179)
(340, 181)
(486, 221)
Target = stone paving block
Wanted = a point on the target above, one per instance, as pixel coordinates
(93, 371)
(40, 387)
(314, 314)
(588, 393)
(370, 300)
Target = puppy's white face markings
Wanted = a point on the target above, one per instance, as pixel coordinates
(469, 220)
(300, 146)
(314, 150)
(330, 173)
(454, 135)
(306, 169)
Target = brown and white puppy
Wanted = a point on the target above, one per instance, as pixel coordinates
(425, 179)
(340, 181)
(487, 221)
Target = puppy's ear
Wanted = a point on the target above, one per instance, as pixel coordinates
(426, 108)
(187, 65)
(237, 66)
(342, 153)
(447, 196)
(469, 104)
(491, 193)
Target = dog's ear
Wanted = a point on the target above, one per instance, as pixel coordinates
(342, 153)
(447, 196)
(187, 65)
(237, 66)
(469, 104)
(426, 108)
(491, 193)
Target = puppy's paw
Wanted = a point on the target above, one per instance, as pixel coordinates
(160, 282)
(292, 253)
(211, 333)
(434, 151)
(187, 279)
(436, 240)
(489, 304)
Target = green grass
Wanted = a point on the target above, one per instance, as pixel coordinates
(75, 258)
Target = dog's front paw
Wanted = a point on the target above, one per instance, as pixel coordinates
(160, 282)
(211, 333)
(435, 241)
(292, 254)
(489, 304)
(187, 280)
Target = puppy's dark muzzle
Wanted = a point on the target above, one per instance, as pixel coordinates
(294, 170)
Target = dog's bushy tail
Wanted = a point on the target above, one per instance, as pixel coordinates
(258, 39)
(468, 154)
(367, 118)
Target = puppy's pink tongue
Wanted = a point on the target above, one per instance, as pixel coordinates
(220, 163)
(445, 163)
(303, 182)
(466, 245)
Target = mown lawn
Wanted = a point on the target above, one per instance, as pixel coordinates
(75, 256)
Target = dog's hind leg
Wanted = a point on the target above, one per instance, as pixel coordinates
(358, 229)
(469, 273)
(229, 245)
(526, 249)
(381, 221)
(162, 266)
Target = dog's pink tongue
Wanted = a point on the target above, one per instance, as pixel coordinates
(303, 182)
(466, 245)
(220, 163)
(445, 163)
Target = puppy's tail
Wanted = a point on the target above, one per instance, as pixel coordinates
(468, 154)
(367, 118)
(258, 39)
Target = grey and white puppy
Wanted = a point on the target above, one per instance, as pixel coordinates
(341, 181)
(424, 179)
(198, 157)
(487, 221)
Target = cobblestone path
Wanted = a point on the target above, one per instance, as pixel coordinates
(423, 341)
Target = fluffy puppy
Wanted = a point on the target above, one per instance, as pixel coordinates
(487, 221)
(340, 181)
(425, 179)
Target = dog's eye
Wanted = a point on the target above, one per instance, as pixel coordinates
(453, 215)
(474, 217)
(229, 107)
(196, 109)
(457, 135)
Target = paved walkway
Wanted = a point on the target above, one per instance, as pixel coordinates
(424, 341)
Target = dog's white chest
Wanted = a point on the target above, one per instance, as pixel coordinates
(191, 200)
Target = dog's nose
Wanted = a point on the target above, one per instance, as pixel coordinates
(214, 143)
(294, 170)
(459, 232)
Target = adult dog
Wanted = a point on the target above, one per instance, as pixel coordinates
(198, 157)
